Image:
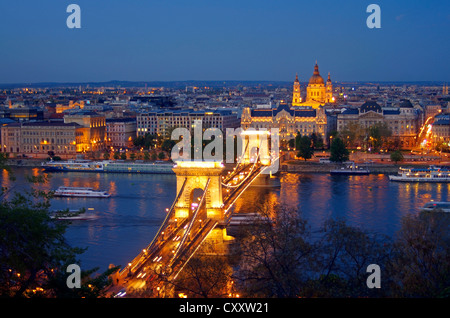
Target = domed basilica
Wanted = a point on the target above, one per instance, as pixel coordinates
(317, 92)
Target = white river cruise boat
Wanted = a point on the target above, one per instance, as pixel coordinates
(430, 174)
(80, 192)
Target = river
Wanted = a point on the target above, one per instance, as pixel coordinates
(129, 219)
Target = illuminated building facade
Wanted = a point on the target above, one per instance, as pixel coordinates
(403, 120)
(440, 130)
(38, 139)
(120, 132)
(92, 135)
(288, 120)
(60, 108)
(162, 122)
(22, 114)
(318, 93)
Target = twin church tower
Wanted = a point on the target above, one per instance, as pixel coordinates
(317, 92)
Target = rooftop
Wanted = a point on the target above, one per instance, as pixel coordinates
(43, 124)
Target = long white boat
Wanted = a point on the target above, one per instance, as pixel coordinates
(72, 215)
(430, 174)
(80, 192)
(157, 167)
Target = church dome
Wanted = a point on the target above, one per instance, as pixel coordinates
(316, 78)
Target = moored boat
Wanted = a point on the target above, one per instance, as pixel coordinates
(117, 166)
(351, 169)
(71, 165)
(430, 174)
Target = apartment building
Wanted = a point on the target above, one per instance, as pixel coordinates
(40, 139)
(120, 132)
(163, 122)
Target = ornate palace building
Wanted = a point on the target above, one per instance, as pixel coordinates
(288, 120)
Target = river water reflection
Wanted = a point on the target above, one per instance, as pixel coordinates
(128, 220)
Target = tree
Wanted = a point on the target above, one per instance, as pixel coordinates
(34, 253)
(344, 252)
(338, 151)
(123, 156)
(116, 155)
(167, 145)
(442, 146)
(316, 140)
(396, 156)
(298, 137)
(291, 143)
(3, 160)
(420, 264)
(353, 134)
(106, 155)
(305, 150)
(31, 246)
(275, 256)
(161, 155)
(378, 134)
(147, 141)
(393, 143)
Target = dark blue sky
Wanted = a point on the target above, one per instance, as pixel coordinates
(165, 40)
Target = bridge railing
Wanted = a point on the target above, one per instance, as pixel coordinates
(194, 218)
(190, 250)
(161, 229)
(186, 248)
(237, 190)
(239, 167)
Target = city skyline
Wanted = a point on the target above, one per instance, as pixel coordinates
(233, 41)
(192, 149)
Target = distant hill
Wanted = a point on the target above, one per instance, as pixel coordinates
(172, 84)
(183, 84)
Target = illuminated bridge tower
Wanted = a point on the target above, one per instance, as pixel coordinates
(192, 179)
(255, 146)
(197, 179)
